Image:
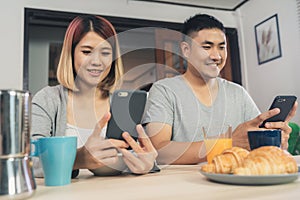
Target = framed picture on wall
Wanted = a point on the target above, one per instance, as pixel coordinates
(268, 40)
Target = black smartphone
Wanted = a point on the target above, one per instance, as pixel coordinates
(127, 109)
(285, 104)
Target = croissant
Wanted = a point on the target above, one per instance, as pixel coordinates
(226, 162)
(267, 160)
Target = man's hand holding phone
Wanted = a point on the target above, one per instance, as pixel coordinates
(284, 126)
(240, 133)
(285, 104)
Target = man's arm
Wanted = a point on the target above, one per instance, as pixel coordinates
(171, 152)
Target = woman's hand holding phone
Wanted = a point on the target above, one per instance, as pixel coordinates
(98, 151)
(143, 161)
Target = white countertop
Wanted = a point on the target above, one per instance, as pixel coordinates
(173, 182)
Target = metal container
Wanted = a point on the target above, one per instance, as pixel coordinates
(16, 178)
(16, 174)
(15, 108)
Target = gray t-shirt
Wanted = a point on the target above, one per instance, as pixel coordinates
(172, 101)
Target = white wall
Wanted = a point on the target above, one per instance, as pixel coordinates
(12, 23)
(279, 76)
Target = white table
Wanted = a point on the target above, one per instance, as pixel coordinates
(173, 182)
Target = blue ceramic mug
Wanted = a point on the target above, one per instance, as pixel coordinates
(57, 155)
(266, 137)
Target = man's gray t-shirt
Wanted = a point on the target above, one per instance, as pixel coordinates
(172, 101)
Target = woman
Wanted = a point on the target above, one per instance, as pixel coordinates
(88, 71)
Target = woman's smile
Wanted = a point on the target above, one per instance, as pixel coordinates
(95, 72)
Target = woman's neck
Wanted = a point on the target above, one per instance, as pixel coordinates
(86, 107)
(87, 92)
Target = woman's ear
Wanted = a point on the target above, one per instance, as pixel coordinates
(185, 49)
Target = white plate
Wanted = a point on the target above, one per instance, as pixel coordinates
(252, 180)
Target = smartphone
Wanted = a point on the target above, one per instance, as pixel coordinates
(127, 109)
(285, 104)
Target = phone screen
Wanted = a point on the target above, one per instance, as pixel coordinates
(127, 108)
(285, 104)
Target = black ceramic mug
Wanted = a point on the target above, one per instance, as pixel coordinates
(264, 138)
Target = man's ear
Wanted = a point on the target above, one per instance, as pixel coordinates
(185, 49)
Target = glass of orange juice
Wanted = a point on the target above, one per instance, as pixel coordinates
(216, 144)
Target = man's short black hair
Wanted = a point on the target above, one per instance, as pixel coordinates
(199, 22)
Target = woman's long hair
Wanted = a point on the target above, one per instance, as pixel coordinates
(77, 29)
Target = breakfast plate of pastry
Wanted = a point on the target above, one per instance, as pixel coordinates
(265, 165)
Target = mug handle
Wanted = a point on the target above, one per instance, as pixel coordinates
(34, 152)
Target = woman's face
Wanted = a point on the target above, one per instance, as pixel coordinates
(92, 59)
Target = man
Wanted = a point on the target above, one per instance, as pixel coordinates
(179, 108)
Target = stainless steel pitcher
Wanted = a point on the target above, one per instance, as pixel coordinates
(16, 176)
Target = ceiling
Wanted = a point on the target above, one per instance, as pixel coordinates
(227, 5)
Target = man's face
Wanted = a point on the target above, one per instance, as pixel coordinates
(206, 55)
